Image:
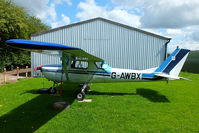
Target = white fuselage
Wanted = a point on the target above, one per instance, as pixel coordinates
(55, 73)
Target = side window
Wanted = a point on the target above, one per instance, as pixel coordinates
(79, 64)
(98, 64)
(73, 64)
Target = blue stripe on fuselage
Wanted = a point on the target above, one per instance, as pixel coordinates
(148, 75)
(151, 76)
(52, 65)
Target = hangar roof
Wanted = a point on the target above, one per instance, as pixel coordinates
(105, 20)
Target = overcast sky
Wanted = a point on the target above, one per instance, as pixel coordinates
(177, 19)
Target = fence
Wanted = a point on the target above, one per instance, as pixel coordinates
(11, 76)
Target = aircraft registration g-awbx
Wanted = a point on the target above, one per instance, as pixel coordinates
(81, 67)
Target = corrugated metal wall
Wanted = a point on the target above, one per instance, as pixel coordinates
(119, 46)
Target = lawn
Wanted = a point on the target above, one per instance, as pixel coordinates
(116, 107)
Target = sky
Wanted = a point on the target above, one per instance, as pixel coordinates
(176, 19)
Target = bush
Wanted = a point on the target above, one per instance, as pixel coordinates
(15, 23)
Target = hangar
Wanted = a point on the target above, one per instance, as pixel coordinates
(120, 45)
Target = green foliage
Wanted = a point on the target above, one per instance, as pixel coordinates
(192, 62)
(15, 23)
(35, 25)
(12, 58)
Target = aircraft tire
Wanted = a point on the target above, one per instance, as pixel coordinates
(52, 90)
(80, 96)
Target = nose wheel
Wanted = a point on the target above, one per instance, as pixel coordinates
(52, 90)
(84, 90)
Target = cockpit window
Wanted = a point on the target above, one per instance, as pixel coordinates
(79, 64)
(99, 64)
(106, 67)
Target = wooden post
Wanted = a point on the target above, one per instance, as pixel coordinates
(17, 72)
(5, 78)
(26, 71)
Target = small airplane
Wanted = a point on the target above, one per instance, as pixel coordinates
(83, 68)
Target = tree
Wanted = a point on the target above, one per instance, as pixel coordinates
(15, 23)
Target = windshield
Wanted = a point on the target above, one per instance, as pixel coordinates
(106, 67)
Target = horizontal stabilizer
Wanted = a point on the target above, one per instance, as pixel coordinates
(164, 75)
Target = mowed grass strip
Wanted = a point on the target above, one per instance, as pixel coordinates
(115, 107)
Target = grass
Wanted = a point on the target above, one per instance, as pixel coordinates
(116, 107)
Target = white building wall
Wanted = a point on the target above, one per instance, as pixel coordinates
(120, 46)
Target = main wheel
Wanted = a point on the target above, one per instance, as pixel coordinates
(52, 90)
(80, 96)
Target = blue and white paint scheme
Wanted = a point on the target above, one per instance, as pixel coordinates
(81, 67)
(169, 69)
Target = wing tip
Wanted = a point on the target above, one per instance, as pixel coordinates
(20, 43)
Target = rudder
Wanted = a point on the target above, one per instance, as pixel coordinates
(174, 63)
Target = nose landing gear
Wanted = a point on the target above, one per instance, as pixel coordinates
(52, 90)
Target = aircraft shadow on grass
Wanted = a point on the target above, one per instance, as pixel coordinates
(31, 115)
(149, 94)
(110, 93)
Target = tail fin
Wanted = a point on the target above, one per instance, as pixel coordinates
(174, 63)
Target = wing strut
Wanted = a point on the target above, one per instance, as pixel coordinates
(65, 60)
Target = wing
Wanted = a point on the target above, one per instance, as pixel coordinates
(50, 48)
